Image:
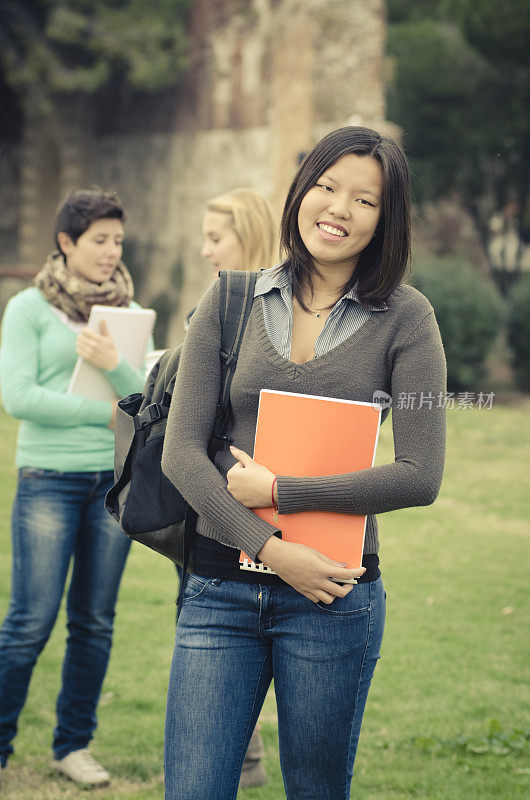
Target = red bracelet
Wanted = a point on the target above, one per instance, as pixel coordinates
(274, 504)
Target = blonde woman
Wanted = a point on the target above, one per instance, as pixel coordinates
(240, 232)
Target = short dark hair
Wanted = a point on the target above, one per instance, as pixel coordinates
(383, 262)
(81, 208)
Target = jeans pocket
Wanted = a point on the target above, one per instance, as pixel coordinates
(358, 601)
(195, 586)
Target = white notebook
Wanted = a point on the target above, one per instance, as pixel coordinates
(130, 329)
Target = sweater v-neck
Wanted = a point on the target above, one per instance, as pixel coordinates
(294, 367)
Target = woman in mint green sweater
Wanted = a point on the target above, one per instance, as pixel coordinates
(64, 457)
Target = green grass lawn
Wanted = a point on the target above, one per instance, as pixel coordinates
(448, 713)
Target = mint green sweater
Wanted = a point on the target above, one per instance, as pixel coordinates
(58, 431)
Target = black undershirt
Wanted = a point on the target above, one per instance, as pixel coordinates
(212, 559)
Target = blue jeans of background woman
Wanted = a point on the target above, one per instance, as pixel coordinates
(58, 517)
(232, 639)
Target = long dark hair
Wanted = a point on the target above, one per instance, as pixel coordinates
(383, 262)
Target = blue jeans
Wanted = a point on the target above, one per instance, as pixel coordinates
(232, 639)
(57, 517)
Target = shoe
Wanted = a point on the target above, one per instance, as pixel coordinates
(256, 748)
(81, 766)
(253, 772)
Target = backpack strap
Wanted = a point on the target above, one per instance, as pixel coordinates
(236, 296)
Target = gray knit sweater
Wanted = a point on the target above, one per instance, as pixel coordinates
(398, 351)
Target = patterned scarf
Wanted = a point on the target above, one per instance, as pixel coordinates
(76, 295)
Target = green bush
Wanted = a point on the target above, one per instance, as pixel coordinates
(519, 330)
(469, 311)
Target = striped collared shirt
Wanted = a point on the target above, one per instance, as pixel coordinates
(346, 317)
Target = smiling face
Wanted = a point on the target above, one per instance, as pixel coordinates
(222, 246)
(97, 252)
(338, 216)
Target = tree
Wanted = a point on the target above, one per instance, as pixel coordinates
(461, 92)
(500, 31)
(49, 47)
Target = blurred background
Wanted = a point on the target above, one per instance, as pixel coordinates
(172, 102)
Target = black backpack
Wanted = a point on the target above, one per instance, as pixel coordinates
(143, 500)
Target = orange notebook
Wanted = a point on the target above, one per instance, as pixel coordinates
(299, 434)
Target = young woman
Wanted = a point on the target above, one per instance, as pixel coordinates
(334, 320)
(65, 458)
(239, 231)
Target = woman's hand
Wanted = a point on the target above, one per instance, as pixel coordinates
(307, 570)
(98, 348)
(249, 482)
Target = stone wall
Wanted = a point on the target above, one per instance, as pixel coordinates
(164, 182)
(268, 78)
(268, 83)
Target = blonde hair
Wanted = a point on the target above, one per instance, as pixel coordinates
(252, 218)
